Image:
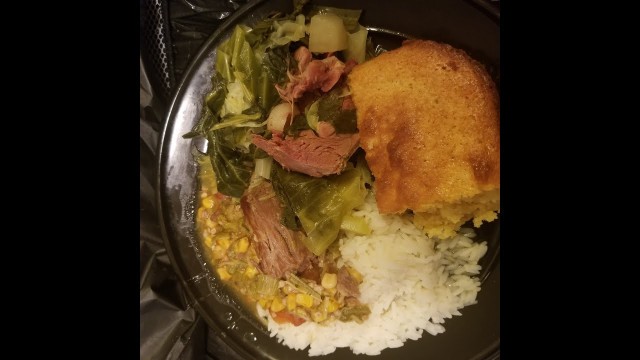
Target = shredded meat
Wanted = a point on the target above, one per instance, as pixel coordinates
(280, 249)
(312, 74)
(347, 285)
(349, 65)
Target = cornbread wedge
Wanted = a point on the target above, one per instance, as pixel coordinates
(429, 122)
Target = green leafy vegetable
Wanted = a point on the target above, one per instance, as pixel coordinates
(240, 120)
(248, 66)
(355, 224)
(302, 286)
(232, 167)
(288, 31)
(264, 286)
(288, 214)
(298, 124)
(275, 63)
(330, 110)
(361, 165)
(215, 98)
(312, 115)
(263, 167)
(236, 56)
(357, 313)
(213, 102)
(320, 204)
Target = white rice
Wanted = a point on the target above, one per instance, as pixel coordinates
(411, 284)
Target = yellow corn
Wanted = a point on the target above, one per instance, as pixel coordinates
(277, 305)
(250, 272)
(242, 245)
(329, 292)
(208, 202)
(356, 275)
(329, 280)
(304, 300)
(208, 241)
(223, 273)
(201, 213)
(301, 312)
(318, 316)
(287, 289)
(224, 241)
(291, 302)
(218, 253)
(330, 305)
(263, 303)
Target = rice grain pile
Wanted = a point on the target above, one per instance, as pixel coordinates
(411, 284)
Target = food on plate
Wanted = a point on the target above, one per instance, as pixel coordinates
(298, 211)
(429, 122)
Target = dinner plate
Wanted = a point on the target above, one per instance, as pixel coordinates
(466, 24)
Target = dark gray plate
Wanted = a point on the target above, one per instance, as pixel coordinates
(470, 25)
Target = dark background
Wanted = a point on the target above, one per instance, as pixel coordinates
(171, 32)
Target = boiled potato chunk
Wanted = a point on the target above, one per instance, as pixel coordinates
(327, 34)
(357, 48)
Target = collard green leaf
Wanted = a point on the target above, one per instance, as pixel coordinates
(320, 204)
(298, 124)
(330, 110)
(233, 168)
(288, 215)
(275, 63)
(213, 104)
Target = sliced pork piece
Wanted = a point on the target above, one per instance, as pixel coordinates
(310, 154)
(312, 74)
(280, 250)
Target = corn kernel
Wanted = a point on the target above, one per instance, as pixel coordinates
(356, 275)
(208, 241)
(318, 316)
(287, 289)
(304, 300)
(250, 272)
(217, 253)
(291, 302)
(329, 280)
(208, 202)
(201, 213)
(263, 303)
(333, 291)
(330, 305)
(210, 224)
(224, 241)
(277, 305)
(242, 245)
(223, 273)
(300, 312)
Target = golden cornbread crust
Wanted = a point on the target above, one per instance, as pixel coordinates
(429, 122)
